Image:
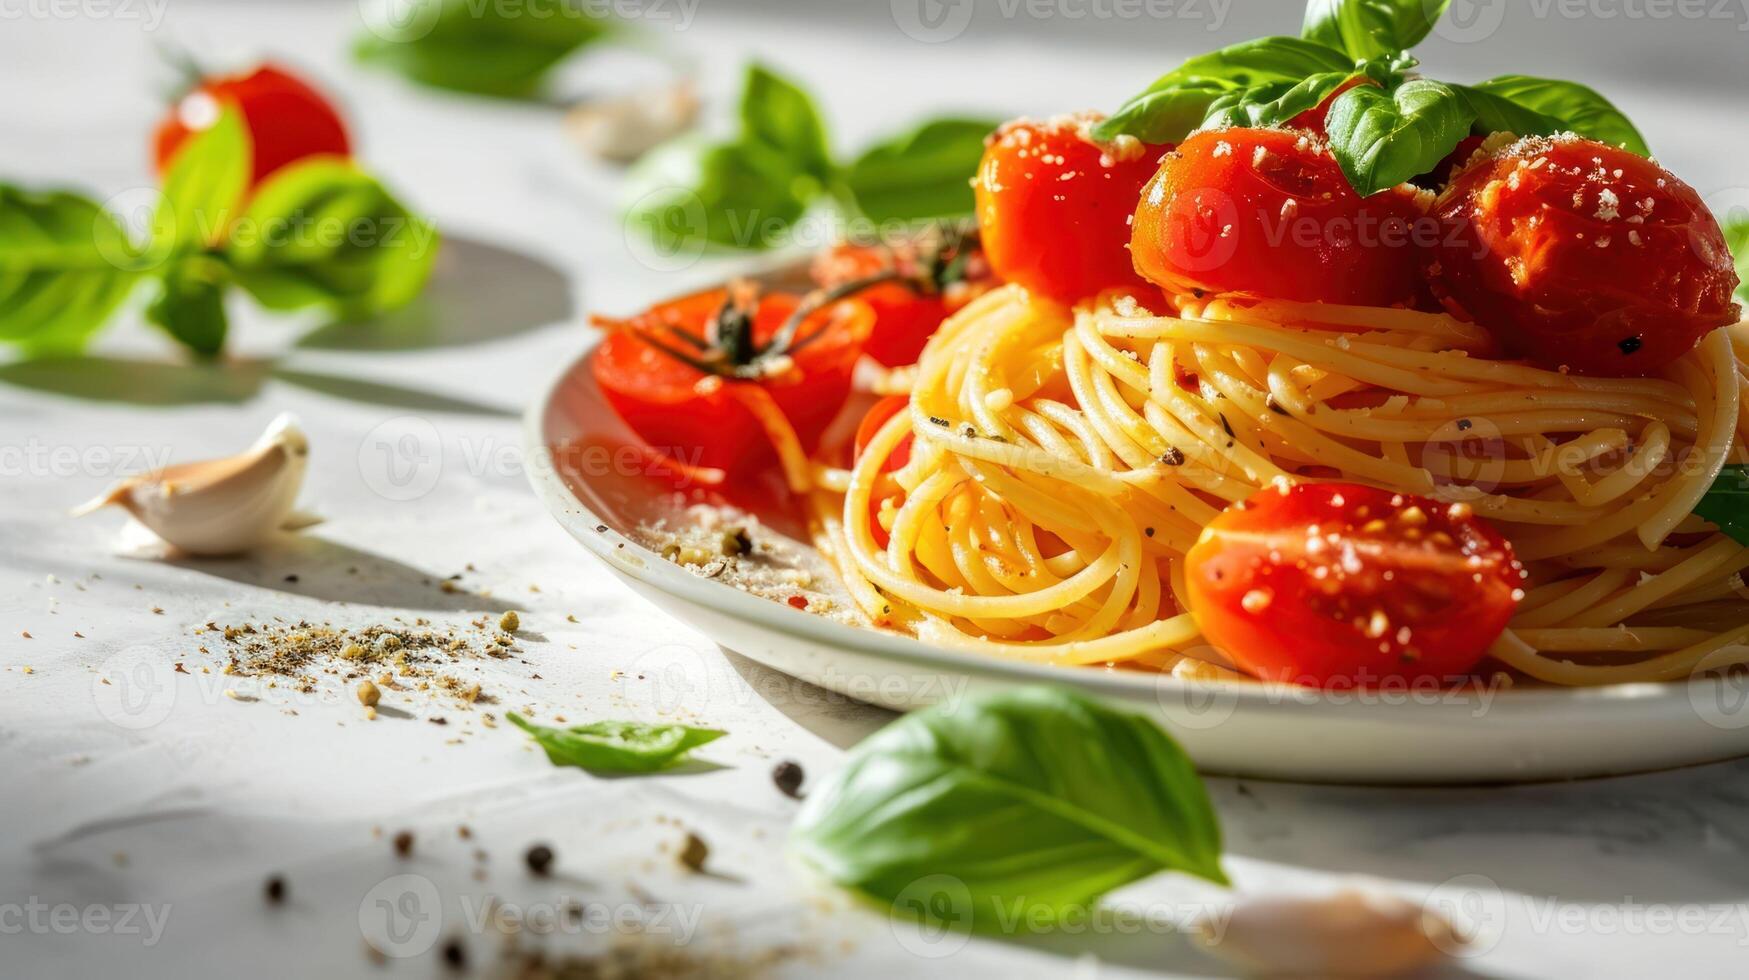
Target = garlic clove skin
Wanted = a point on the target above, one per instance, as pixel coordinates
(622, 129)
(220, 506)
(1353, 933)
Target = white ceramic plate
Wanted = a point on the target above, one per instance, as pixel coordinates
(1241, 729)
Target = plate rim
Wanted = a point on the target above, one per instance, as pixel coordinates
(611, 545)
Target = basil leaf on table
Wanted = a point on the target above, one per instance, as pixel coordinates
(925, 173)
(65, 265)
(1274, 103)
(1736, 225)
(777, 114)
(202, 188)
(324, 233)
(496, 49)
(616, 746)
(1726, 502)
(1371, 28)
(1036, 794)
(1382, 139)
(1579, 108)
(191, 304)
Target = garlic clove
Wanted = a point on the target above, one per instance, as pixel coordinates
(219, 506)
(622, 129)
(1353, 933)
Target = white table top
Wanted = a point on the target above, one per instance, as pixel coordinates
(173, 808)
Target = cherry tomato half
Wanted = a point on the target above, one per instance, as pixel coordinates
(288, 120)
(692, 416)
(1328, 583)
(1578, 254)
(1268, 212)
(1054, 208)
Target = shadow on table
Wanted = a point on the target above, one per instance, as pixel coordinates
(316, 568)
(840, 720)
(1675, 837)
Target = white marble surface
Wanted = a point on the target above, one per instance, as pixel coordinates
(172, 803)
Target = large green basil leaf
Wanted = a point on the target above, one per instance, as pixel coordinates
(204, 186)
(190, 306)
(734, 195)
(1497, 114)
(1178, 101)
(65, 265)
(1164, 115)
(324, 233)
(778, 115)
(1273, 103)
(1579, 108)
(1371, 28)
(487, 48)
(616, 746)
(925, 173)
(1382, 139)
(1037, 794)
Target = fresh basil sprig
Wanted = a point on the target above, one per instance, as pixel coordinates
(1388, 127)
(317, 234)
(1726, 502)
(748, 191)
(484, 48)
(616, 746)
(1037, 794)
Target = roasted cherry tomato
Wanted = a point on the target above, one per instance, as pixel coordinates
(1268, 212)
(877, 416)
(1054, 208)
(287, 119)
(1315, 117)
(1328, 584)
(907, 309)
(692, 414)
(1578, 254)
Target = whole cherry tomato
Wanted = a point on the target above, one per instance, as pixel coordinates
(1269, 213)
(288, 120)
(1328, 583)
(1054, 207)
(1578, 254)
(691, 414)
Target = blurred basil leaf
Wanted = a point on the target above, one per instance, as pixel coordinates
(1736, 225)
(777, 114)
(204, 186)
(322, 232)
(1371, 28)
(1382, 139)
(191, 304)
(732, 195)
(477, 46)
(65, 265)
(1577, 107)
(925, 173)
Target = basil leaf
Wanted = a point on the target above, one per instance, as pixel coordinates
(925, 173)
(485, 48)
(65, 265)
(1371, 28)
(1496, 114)
(1162, 115)
(204, 186)
(191, 305)
(1275, 103)
(1036, 793)
(735, 195)
(1736, 225)
(777, 114)
(1726, 502)
(1578, 108)
(1382, 139)
(321, 232)
(1176, 103)
(616, 746)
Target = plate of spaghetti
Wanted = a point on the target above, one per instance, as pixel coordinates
(1358, 426)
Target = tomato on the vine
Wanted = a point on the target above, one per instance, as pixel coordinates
(1578, 254)
(909, 305)
(288, 120)
(1269, 213)
(669, 372)
(1054, 207)
(1328, 583)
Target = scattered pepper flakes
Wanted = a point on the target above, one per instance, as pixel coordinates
(788, 777)
(403, 843)
(539, 860)
(368, 694)
(510, 622)
(275, 890)
(694, 852)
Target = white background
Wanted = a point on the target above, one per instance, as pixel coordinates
(183, 801)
